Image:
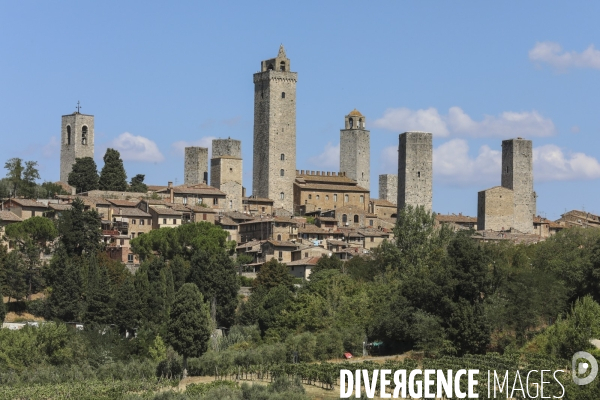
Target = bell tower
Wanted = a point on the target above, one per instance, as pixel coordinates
(355, 149)
(76, 141)
(274, 161)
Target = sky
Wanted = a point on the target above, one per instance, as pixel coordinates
(159, 76)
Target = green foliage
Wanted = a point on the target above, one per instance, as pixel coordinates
(328, 262)
(50, 190)
(2, 308)
(158, 350)
(99, 295)
(84, 175)
(15, 276)
(127, 306)
(137, 184)
(113, 176)
(189, 323)
(272, 274)
(180, 269)
(15, 168)
(79, 230)
(65, 277)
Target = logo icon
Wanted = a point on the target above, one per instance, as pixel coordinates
(580, 368)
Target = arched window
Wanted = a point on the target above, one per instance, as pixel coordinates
(283, 95)
(356, 219)
(84, 134)
(362, 198)
(361, 124)
(270, 67)
(281, 172)
(68, 134)
(346, 198)
(351, 122)
(282, 195)
(344, 218)
(282, 157)
(282, 66)
(279, 237)
(310, 196)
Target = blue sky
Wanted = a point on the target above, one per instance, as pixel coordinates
(160, 76)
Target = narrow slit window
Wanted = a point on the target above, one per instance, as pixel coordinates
(283, 95)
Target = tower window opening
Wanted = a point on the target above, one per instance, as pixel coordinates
(351, 122)
(281, 172)
(230, 169)
(84, 134)
(270, 67)
(344, 218)
(283, 95)
(282, 195)
(282, 157)
(507, 169)
(68, 134)
(282, 66)
(356, 219)
(418, 174)
(361, 123)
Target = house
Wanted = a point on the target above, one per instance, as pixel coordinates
(25, 208)
(165, 217)
(118, 247)
(373, 237)
(194, 195)
(302, 268)
(457, 222)
(280, 250)
(352, 216)
(228, 225)
(383, 208)
(579, 218)
(130, 221)
(7, 218)
(257, 205)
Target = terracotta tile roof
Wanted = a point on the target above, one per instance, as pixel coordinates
(130, 212)
(165, 211)
(199, 209)
(257, 199)
(372, 233)
(455, 218)
(122, 203)
(288, 220)
(249, 244)
(556, 225)
(238, 215)
(355, 113)
(308, 228)
(337, 242)
(332, 179)
(305, 261)
(383, 203)
(281, 243)
(59, 207)
(225, 220)
(151, 202)
(327, 219)
(178, 207)
(28, 203)
(94, 201)
(9, 217)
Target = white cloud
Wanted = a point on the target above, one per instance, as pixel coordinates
(453, 165)
(136, 148)
(575, 129)
(179, 146)
(329, 158)
(553, 54)
(551, 164)
(403, 120)
(459, 123)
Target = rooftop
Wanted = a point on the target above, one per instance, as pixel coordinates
(9, 217)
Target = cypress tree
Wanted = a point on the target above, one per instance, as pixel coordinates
(189, 324)
(113, 176)
(98, 295)
(169, 288)
(127, 306)
(66, 282)
(2, 308)
(84, 175)
(179, 267)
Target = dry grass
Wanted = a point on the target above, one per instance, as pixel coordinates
(21, 317)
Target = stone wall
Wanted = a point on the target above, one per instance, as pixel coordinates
(415, 156)
(226, 147)
(226, 175)
(274, 161)
(195, 165)
(75, 145)
(388, 188)
(355, 153)
(495, 209)
(517, 174)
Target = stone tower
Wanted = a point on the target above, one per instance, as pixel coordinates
(195, 166)
(226, 171)
(517, 175)
(355, 150)
(388, 188)
(274, 164)
(76, 141)
(415, 155)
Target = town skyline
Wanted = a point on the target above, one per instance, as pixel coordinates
(148, 102)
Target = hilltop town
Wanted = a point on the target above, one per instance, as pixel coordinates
(294, 215)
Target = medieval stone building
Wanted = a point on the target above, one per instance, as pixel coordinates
(388, 188)
(355, 149)
(274, 162)
(76, 141)
(226, 171)
(415, 169)
(195, 169)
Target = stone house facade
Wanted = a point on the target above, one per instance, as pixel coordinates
(317, 190)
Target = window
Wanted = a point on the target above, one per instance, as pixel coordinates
(279, 237)
(204, 217)
(373, 239)
(121, 242)
(282, 157)
(185, 199)
(230, 169)
(130, 258)
(346, 198)
(335, 197)
(84, 132)
(310, 196)
(174, 221)
(132, 235)
(507, 169)
(318, 197)
(164, 221)
(263, 209)
(281, 254)
(215, 201)
(142, 221)
(33, 213)
(370, 222)
(305, 254)
(351, 122)
(133, 222)
(326, 197)
(283, 95)
(356, 219)
(68, 134)
(362, 198)
(418, 174)
(344, 218)
(282, 195)
(281, 172)
(282, 66)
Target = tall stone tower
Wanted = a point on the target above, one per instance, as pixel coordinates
(195, 169)
(388, 188)
(355, 149)
(415, 156)
(226, 171)
(274, 164)
(517, 175)
(76, 141)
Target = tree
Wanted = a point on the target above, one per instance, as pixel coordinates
(30, 175)
(49, 190)
(113, 176)
(15, 276)
(98, 294)
(328, 262)
(152, 289)
(127, 307)
(79, 230)
(180, 269)
(15, 171)
(137, 184)
(189, 324)
(66, 282)
(272, 274)
(84, 175)
(2, 307)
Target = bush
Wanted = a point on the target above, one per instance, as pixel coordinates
(245, 281)
(201, 389)
(36, 307)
